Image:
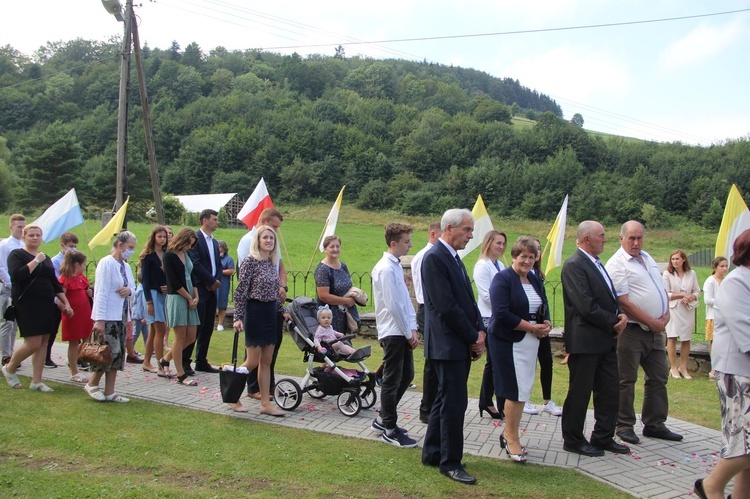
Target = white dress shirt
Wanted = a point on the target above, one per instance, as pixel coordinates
(6, 246)
(210, 244)
(394, 313)
(484, 272)
(243, 248)
(710, 290)
(642, 282)
(416, 273)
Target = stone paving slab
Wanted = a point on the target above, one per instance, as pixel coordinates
(654, 468)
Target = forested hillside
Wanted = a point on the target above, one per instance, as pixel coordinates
(414, 137)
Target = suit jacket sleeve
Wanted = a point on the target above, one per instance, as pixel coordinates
(437, 279)
(200, 271)
(578, 284)
(501, 292)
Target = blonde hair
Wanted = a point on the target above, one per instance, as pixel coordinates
(275, 254)
(30, 227)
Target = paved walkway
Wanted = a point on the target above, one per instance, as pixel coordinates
(654, 468)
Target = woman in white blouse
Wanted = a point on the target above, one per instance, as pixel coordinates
(682, 287)
(111, 312)
(720, 267)
(488, 264)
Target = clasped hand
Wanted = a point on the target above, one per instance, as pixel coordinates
(541, 330)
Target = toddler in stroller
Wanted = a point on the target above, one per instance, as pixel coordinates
(326, 336)
(355, 388)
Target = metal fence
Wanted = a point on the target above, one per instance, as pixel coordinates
(303, 284)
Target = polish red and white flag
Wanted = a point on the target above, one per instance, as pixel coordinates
(258, 201)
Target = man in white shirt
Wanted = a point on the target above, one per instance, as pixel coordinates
(429, 381)
(397, 332)
(642, 297)
(8, 329)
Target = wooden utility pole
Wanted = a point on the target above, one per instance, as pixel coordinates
(155, 184)
(122, 116)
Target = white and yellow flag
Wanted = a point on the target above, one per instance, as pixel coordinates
(556, 237)
(113, 227)
(735, 221)
(333, 218)
(482, 225)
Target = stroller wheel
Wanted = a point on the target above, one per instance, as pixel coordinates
(312, 389)
(368, 396)
(287, 394)
(349, 403)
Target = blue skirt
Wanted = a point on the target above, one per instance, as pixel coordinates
(222, 297)
(160, 308)
(260, 323)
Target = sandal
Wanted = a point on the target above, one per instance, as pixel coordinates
(95, 392)
(41, 387)
(79, 378)
(11, 379)
(116, 398)
(163, 370)
(189, 382)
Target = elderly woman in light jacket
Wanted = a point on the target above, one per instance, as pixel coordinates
(113, 285)
(731, 360)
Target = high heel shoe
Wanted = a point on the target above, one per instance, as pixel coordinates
(494, 415)
(519, 458)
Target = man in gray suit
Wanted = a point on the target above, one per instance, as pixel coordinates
(593, 323)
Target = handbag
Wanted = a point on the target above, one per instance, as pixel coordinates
(232, 383)
(11, 313)
(94, 352)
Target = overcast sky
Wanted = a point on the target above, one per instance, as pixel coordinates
(683, 80)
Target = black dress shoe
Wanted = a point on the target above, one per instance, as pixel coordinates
(628, 436)
(460, 475)
(613, 446)
(425, 420)
(585, 450)
(188, 370)
(664, 434)
(206, 368)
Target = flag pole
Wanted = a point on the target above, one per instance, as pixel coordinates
(286, 252)
(315, 250)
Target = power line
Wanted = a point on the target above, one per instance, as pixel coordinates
(519, 32)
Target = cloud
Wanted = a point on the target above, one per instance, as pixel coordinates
(700, 44)
(573, 73)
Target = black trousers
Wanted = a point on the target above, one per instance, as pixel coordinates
(544, 356)
(589, 373)
(207, 314)
(429, 379)
(398, 373)
(444, 440)
(252, 379)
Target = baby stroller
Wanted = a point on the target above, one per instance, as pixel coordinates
(355, 388)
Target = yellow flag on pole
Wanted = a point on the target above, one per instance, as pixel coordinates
(113, 227)
(735, 221)
(556, 237)
(333, 218)
(482, 225)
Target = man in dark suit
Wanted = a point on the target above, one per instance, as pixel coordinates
(454, 334)
(593, 323)
(206, 274)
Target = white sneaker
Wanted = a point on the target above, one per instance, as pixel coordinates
(552, 408)
(220, 328)
(528, 408)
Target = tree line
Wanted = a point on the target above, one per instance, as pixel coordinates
(415, 137)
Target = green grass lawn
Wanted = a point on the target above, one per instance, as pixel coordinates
(63, 445)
